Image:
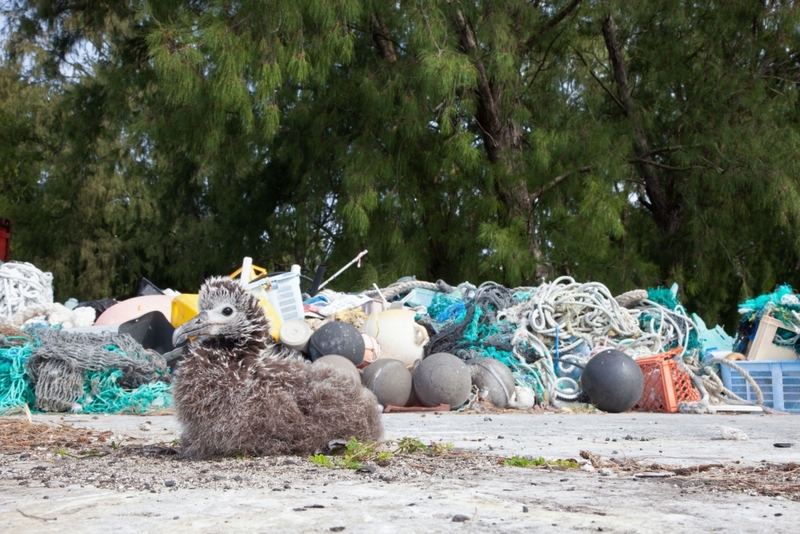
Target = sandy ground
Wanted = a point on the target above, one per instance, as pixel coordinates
(640, 473)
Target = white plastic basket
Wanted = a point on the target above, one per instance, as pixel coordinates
(284, 294)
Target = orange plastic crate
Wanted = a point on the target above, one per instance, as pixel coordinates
(665, 384)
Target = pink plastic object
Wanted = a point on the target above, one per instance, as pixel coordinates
(136, 307)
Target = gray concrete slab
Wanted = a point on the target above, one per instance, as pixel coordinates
(493, 497)
(678, 439)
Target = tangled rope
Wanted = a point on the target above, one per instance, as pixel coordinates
(530, 331)
(581, 313)
(579, 319)
(23, 285)
(714, 392)
(399, 288)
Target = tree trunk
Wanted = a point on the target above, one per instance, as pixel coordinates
(500, 140)
(381, 37)
(667, 213)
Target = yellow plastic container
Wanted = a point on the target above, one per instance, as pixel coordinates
(247, 273)
(184, 307)
(274, 318)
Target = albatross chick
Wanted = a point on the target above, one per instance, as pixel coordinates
(237, 393)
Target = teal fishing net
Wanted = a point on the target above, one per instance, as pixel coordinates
(472, 330)
(103, 394)
(775, 299)
(55, 370)
(15, 390)
(664, 297)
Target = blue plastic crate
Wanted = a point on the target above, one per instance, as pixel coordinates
(779, 382)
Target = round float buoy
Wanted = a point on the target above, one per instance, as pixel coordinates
(442, 378)
(341, 363)
(613, 381)
(339, 338)
(389, 380)
(295, 334)
(493, 380)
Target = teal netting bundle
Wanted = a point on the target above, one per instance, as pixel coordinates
(783, 304)
(441, 304)
(782, 297)
(472, 330)
(663, 297)
(103, 394)
(15, 390)
(56, 370)
(455, 312)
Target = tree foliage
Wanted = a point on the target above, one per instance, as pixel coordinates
(634, 144)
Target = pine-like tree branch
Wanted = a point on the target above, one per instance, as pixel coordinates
(552, 23)
(488, 112)
(648, 161)
(602, 85)
(557, 180)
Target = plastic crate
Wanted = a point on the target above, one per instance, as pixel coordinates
(665, 384)
(763, 346)
(779, 382)
(284, 294)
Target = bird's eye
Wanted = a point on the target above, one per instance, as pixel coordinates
(227, 311)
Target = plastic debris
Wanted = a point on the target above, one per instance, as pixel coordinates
(732, 434)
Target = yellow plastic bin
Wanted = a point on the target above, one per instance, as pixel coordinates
(184, 307)
(274, 318)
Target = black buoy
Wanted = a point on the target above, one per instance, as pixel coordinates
(613, 381)
(337, 338)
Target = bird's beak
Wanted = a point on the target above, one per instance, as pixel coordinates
(197, 326)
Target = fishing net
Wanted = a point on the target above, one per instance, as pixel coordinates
(15, 391)
(56, 370)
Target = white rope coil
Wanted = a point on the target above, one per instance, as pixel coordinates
(565, 314)
(23, 285)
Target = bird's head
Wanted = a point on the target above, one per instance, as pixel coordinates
(229, 315)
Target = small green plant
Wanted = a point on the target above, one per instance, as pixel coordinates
(440, 448)
(355, 453)
(321, 460)
(409, 446)
(359, 450)
(528, 461)
(61, 452)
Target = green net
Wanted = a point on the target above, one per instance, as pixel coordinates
(775, 298)
(103, 394)
(663, 296)
(15, 390)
